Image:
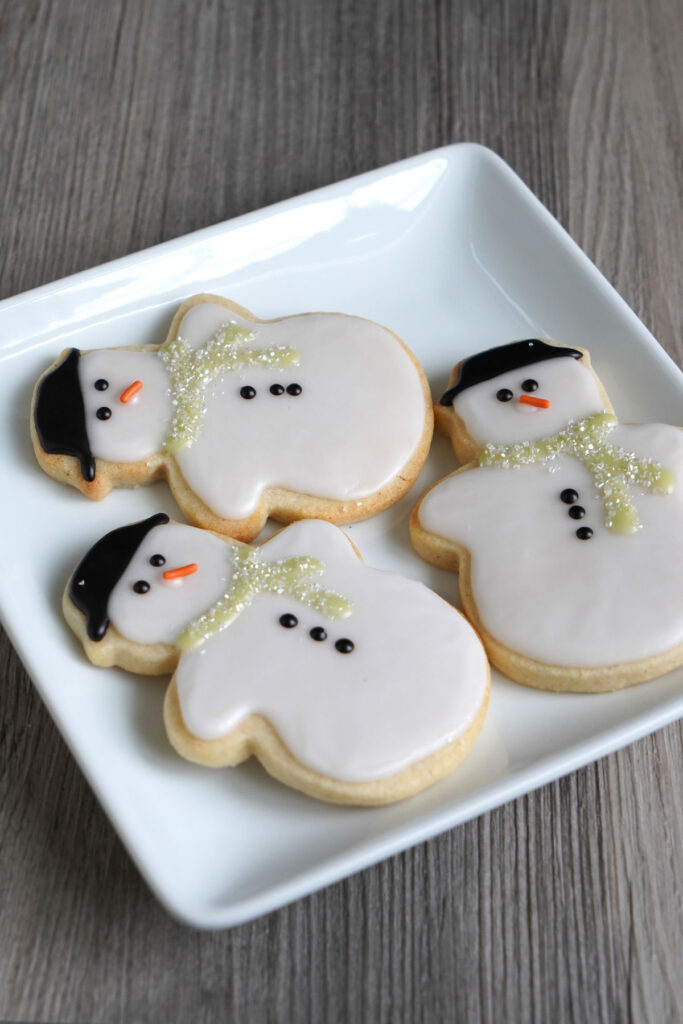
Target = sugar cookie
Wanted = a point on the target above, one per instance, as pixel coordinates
(351, 684)
(314, 416)
(567, 529)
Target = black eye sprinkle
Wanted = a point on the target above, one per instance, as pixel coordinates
(103, 413)
(288, 620)
(318, 633)
(577, 511)
(101, 384)
(247, 391)
(157, 560)
(294, 389)
(276, 389)
(141, 587)
(584, 533)
(530, 385)
(344, 646)
(504, 395)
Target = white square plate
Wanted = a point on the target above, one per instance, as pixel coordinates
(451, 251)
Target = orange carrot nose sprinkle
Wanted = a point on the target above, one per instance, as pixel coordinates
(540, 403)
(182, 570)
(131, 390)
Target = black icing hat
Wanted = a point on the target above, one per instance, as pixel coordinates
(60, 415)
(101, 569)
(487, 365)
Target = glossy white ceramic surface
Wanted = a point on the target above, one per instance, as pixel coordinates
(451, 251)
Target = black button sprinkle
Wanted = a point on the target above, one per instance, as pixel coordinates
(318, 633)
(288, 620)
(157, 560)
(103, 413)
(247, 391)
(344, 646)
(504, 395)
(101, 384)
(276, 389)
(294, 389)
(584, 533)
(530, 385)
(577, 511)
(569, 496)
(141, 587)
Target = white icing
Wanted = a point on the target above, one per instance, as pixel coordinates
(137, 428)
(351, 431)
(565, 382)
(538, 589)
(165, 610)
(415, 681)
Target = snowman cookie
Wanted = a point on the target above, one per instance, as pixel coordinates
(351, 684)
(313, 416)
(566, 526)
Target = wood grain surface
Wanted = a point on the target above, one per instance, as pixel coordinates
(127, 122)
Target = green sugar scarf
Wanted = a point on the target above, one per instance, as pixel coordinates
(251, 576)
(613, 469)
(192, 370)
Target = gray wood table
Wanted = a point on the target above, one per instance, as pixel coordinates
(127, 123)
